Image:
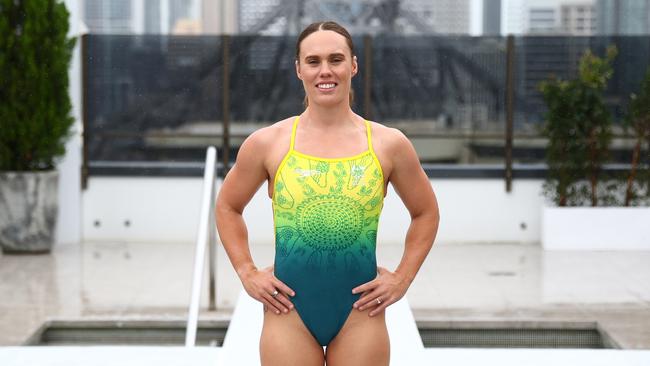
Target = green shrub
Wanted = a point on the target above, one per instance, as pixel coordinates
(578, 128)
(35, 107)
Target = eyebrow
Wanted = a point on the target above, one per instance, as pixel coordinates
(330, 55)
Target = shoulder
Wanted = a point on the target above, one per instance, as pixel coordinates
(266, 138)
(389, 139)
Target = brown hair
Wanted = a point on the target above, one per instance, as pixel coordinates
(331, 26)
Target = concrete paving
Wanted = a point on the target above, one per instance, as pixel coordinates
(458, 282)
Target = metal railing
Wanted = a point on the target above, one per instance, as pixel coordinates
(206, 238)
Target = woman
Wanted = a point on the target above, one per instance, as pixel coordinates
(327, 173)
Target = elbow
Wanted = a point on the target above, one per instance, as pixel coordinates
(430, 214)
(223, 208)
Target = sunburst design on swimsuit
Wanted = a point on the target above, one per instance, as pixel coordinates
(326, 206)
(326, 212)
(330, 222)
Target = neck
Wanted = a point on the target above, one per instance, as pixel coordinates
(327, 117)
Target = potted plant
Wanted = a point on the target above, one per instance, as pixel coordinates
(578, 127)
(35, 119)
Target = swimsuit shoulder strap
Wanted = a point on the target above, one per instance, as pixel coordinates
(369, 136)
(293, 133)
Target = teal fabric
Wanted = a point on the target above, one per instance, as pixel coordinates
(326, 213)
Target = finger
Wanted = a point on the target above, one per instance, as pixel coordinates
(282, 287)
(365, 287)
(282, 298)
(276, 304)
(379, 308)
(267, 306)
(374, 305)
(366, 299)
(381, 270)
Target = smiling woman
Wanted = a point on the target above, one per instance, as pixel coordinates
(327, 196)
(337, 59)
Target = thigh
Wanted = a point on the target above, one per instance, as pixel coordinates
(362, 341)
(285, 341)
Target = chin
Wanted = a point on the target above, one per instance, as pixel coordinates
(327, 102)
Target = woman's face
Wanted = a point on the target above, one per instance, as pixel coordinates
(326, 67)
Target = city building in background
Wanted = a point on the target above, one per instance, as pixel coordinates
(104, 16)
(578, 18)
(276, 17)
(359, 16)
(513, 17)
(142, 16)
(540, 17)
(491, 17)
(623, 17)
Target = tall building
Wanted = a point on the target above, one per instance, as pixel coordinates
(575, 17)
(578, 18)
(254, 15)
(623, 17)
(491, 17)
(513, 17)
(219, 16)
(152, 17)
(359, 16)
(142, 16)
(444, 16)
(104, 16)
(542, 19)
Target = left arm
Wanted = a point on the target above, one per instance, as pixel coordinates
(412, 185)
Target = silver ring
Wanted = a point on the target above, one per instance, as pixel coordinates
(275, 293)
(378, 301)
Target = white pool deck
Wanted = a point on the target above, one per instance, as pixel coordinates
(241, 348)
(459, 282)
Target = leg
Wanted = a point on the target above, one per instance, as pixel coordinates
(285, 341)
(362, 341)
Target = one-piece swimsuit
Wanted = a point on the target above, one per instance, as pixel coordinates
(325, 213)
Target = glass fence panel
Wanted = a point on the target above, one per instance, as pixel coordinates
(446, 93)
(540, 58)
(160, 98)
(141, 88)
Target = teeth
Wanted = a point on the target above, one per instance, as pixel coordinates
(326, 86)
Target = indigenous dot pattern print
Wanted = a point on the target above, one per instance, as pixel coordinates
(326, 213)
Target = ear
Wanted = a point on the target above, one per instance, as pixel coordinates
(298, 69)
(355, 66)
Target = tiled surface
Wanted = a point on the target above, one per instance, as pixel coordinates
(456, 282)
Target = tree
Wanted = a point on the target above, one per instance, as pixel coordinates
(638, 118)
(578, 128)
(35, 106)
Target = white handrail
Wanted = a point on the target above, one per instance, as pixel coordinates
(206, 228)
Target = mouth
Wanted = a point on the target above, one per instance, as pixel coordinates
(326, 86)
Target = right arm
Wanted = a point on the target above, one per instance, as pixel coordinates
(238, 188)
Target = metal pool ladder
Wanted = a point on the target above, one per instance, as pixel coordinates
(206, 237)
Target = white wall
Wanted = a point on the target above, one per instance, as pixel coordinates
(68, 228)
(167, 209)
(141, 209)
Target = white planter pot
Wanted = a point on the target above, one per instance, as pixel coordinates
(28, 211)
(595, 228)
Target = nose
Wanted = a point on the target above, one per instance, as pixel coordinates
(325, 69)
